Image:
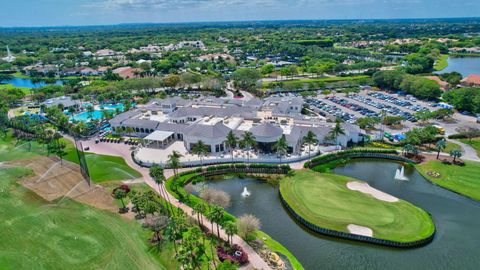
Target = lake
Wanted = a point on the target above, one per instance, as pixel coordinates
(457, 220)
(463, 65)
(28, 83)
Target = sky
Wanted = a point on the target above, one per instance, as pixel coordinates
(104, 12)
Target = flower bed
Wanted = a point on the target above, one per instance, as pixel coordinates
(234, 254)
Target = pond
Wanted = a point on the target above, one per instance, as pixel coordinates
(28, 83)
(456, 243)
(463, 65)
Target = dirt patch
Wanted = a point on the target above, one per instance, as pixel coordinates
(366, 188)
(53, 180)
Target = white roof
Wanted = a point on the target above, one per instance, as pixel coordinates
(158, 135)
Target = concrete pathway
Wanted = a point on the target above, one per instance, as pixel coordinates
(122, 150)
(468, 151)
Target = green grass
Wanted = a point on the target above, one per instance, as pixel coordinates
(8, 86)
(316, 80)
(101, 167)
(279, 248)
(450, 146)
(475, 143)
(441, 63)
(323, 199)
(462, 179)
(69, 235)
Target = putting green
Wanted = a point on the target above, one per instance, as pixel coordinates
(324, 200)
(69, 235)
(462, 179)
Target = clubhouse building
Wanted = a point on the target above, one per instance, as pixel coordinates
(163, 122)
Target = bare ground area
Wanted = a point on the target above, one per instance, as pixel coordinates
(53, 180)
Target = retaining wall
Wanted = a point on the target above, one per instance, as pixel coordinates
(355, 237)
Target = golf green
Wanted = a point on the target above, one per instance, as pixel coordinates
(66, 234)
(325, 200)
(462, 179)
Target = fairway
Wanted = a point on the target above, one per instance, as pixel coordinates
(324, 200)
(67, 235)
(462, 179)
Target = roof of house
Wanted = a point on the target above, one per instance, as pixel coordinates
(266, 130)
(472, 79)
(141, 123)
(65, 101)
(159, 135)
(219, 130)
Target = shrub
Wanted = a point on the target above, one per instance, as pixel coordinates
(247, 224)
(231, 254)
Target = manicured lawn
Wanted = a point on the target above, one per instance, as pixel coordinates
(323, 199)
(475, 143)
(40, 235)
(441, 62)
(462, 179)
(450, 147)
(101, 167)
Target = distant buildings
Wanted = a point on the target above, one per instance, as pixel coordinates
(471, 80)
(127, 72)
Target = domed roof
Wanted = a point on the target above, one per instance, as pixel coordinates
(266, 132)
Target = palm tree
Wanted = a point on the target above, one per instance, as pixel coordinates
(217, 216)
(200, 149)
(231, 142)
(174, 162)
(455, 153)
(440, 145)
(281, 147)
(310, 139)
(156, 172)
(336, 131)
(230, 229)
(199, 209)
(248, 140)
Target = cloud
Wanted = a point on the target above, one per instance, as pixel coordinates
(177, 4)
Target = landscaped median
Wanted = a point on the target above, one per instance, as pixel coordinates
(464, 180)
(349, 208)
(175, 186)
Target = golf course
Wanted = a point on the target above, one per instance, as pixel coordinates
(460, 179)
(349, 205)
(37, 234)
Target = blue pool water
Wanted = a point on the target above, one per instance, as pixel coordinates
(97, 114)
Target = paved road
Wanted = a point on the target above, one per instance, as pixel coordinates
(468, 151)
(256, 262)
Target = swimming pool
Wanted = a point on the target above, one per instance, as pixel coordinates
(97, 114)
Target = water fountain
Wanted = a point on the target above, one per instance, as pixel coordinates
(400, 174)
(245, 192)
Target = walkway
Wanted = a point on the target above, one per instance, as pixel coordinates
(122, 150)
(468, 151)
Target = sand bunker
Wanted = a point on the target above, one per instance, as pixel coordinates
(366, 188)
(360, 230)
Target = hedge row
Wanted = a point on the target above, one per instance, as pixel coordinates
(348, 154)
(355, 237)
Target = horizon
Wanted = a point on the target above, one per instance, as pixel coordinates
(146, 23)
(68, 13)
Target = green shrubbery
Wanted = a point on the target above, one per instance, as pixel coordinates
(344, 154)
